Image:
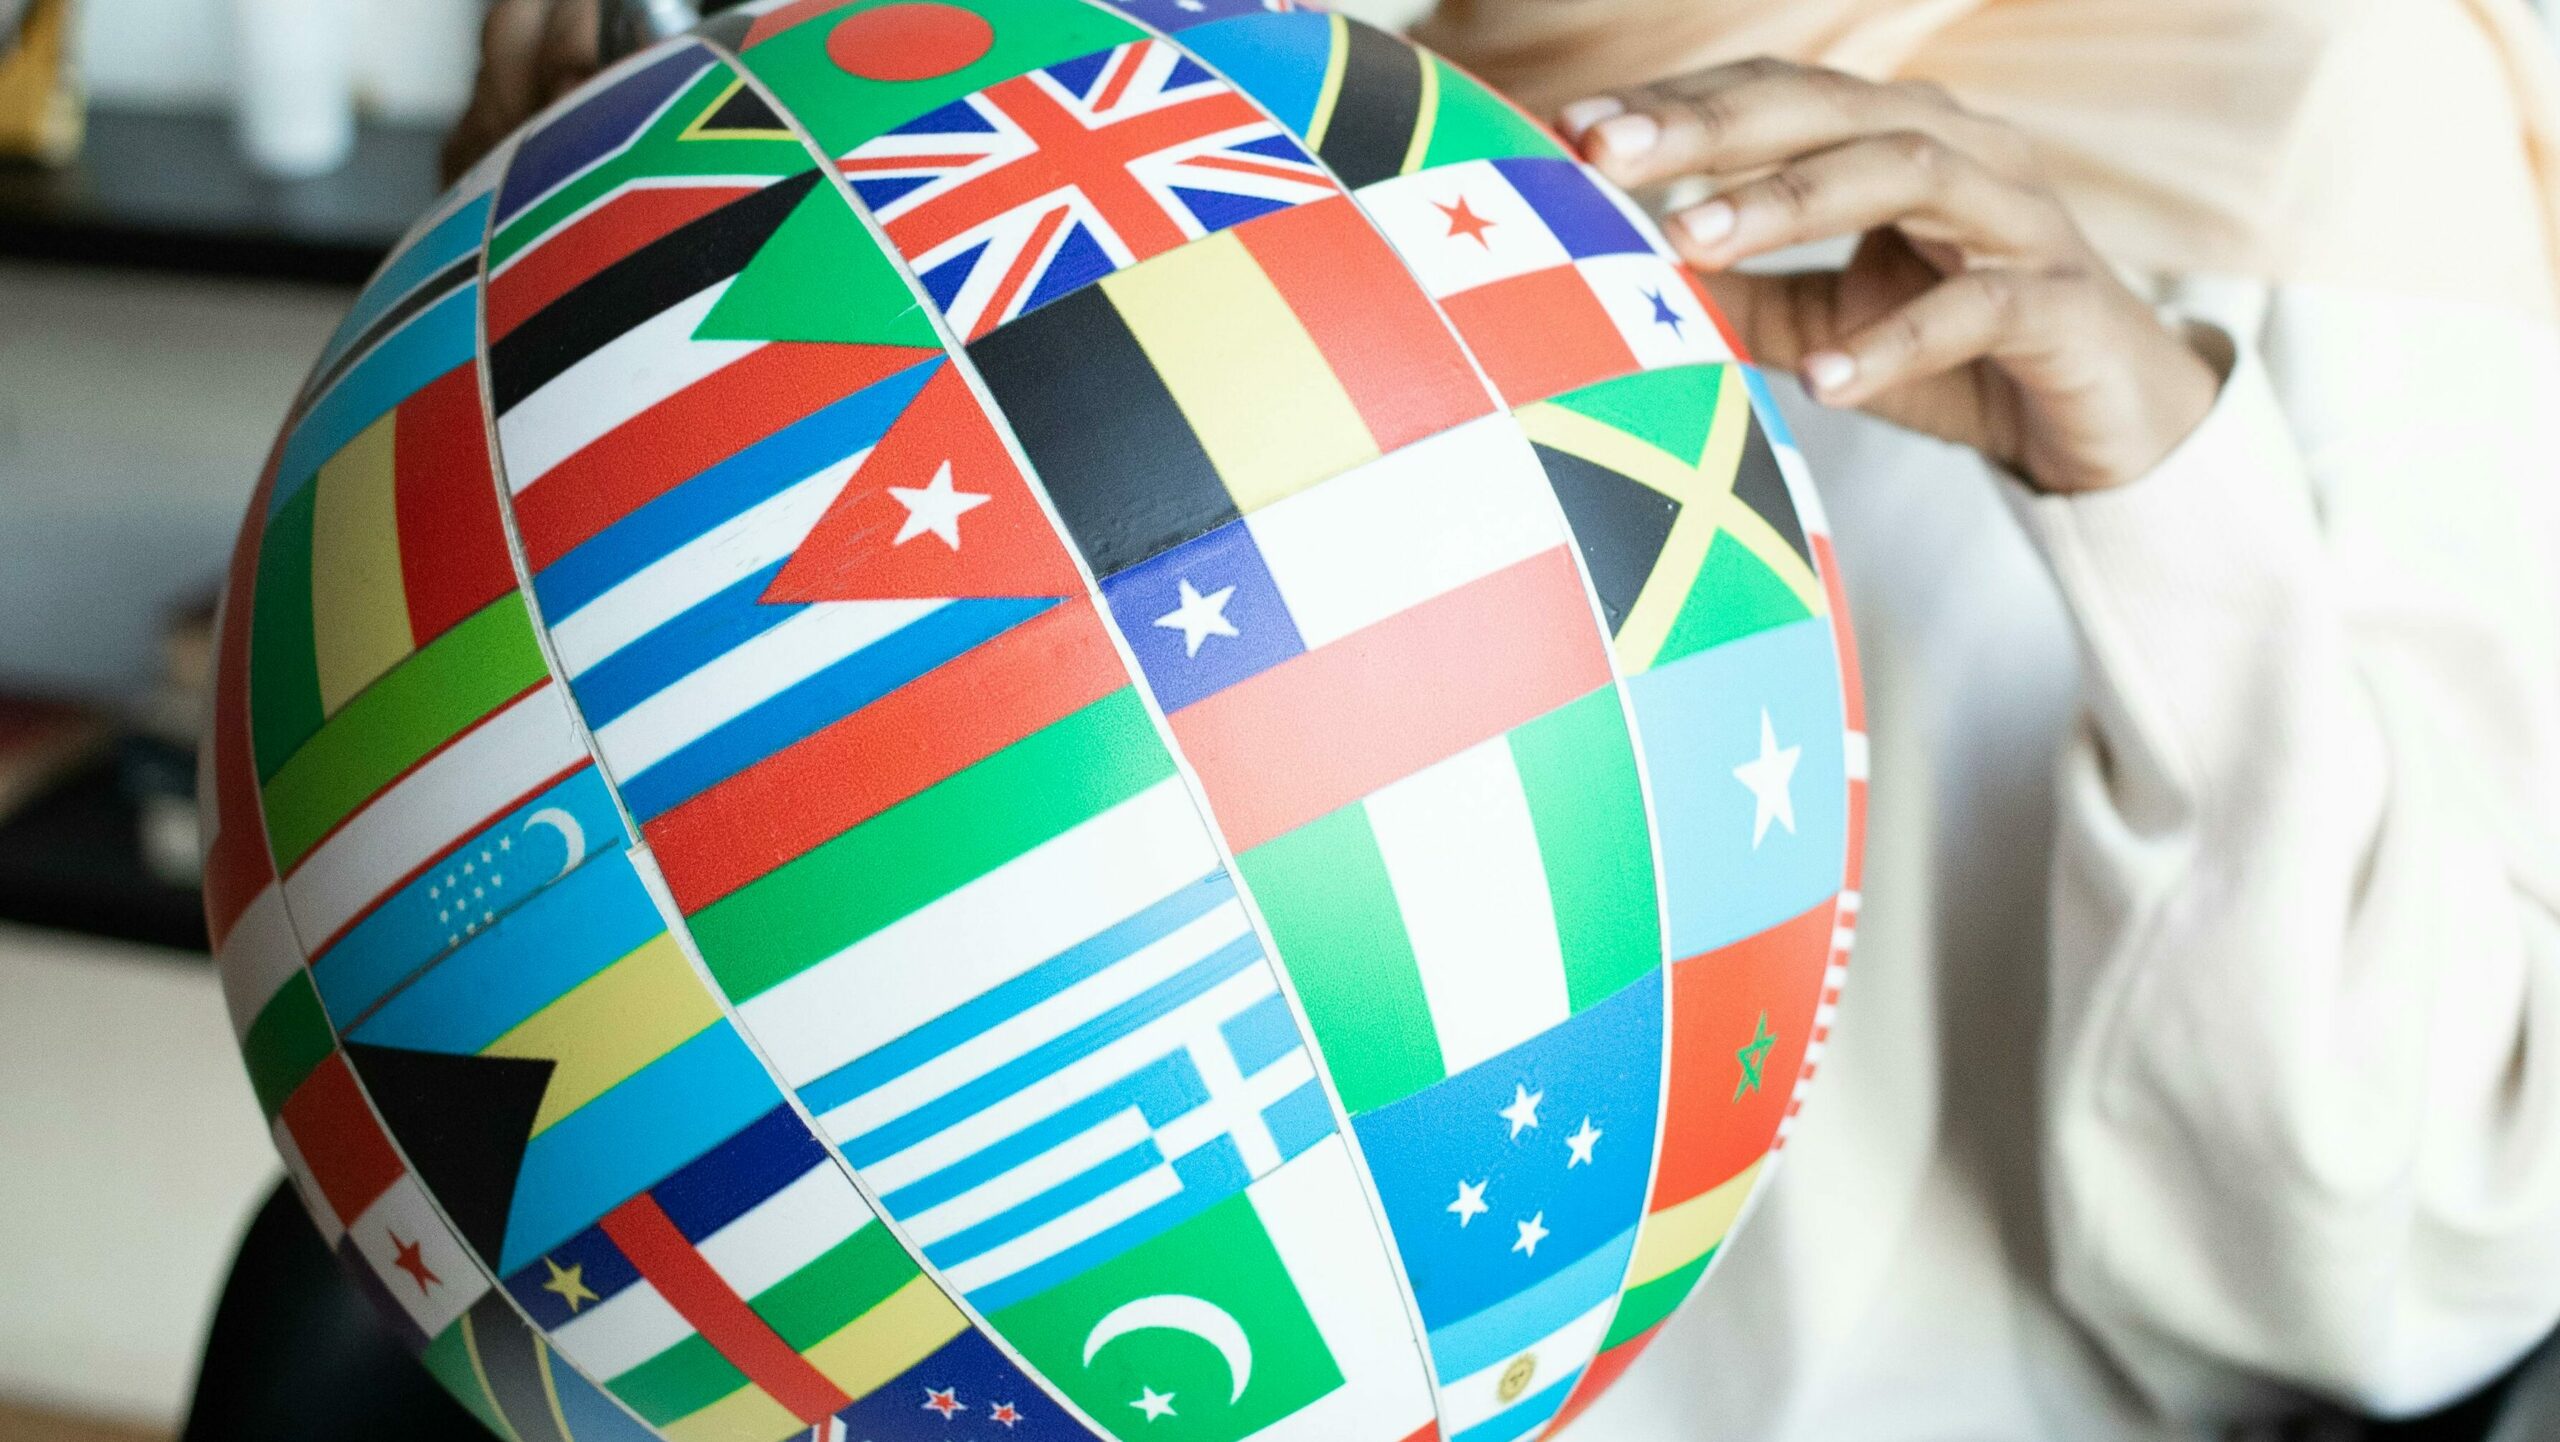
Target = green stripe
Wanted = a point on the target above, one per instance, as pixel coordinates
(930, 844)
(287, 1042)
(661, 152)
(1644, 1307)
(678, 1382)
(284, 664)
(417, 706)
(1324, 889)
(1734, 596)
(448, 1360)
(1578, 768)
(852, 1277)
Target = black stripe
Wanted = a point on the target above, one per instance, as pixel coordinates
(1763, 487)
(1104, 434)
(1620, 525)
(638, 287)
(1379, 106)
(427, 292)
(511, 1358)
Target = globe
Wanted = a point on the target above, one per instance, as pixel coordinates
(1031, 719)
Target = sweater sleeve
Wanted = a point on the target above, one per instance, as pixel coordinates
(2303, 1109)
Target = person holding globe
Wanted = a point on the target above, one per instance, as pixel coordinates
(2182, 376)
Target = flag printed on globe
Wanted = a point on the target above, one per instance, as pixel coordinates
(1032, 719)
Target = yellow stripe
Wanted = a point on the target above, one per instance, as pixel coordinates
(611, 1025)
(551, 1389)
(1244, 372)
(480, 1373)
(360, 610)
(1337, 56)
(1675, 571)
(1678, 1235)
(1754, 533)
(1426, 115)
(746, 1415)
(868, 1351)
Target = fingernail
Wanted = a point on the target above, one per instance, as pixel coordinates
(1828, 372)
(1707, 224)
(1628, 136)
(1581, 115)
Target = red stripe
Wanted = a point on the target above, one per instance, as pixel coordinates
(595, 240)
(1020, 272)
(1124, 70)
(339, 1140)
(1322, 730)
(931, 728)
(1604, 1371)
(1541, 334)
(453, 545)
(1853, 692)
(853, 163)
(1271, 171)
(688, 433)
(1375, 327)
(470, 832)
(642, 1229)
(237, 864)
(412, 769)
(1715, 313)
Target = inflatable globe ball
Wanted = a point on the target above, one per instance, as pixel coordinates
(1023, 719)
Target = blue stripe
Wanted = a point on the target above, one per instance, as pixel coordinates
(824, 699)
(1261, 1034)
(680, 646)
(1048, 1206)
(454, 237)
(740, 1174)
(1299, 1120)
(1509, 1327)
(601, 1155)
(733, 487)
(1034, 1066)
(1208, 1176)
(442, 337)
(581, 924)
(1088, 958)
(1516, 1421)
(1163, 1089)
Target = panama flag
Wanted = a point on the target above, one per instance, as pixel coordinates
(1010, 198)
(1272, 1315)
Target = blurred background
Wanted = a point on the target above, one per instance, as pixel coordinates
(190, 191)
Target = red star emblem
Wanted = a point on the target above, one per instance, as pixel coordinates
(1006, 1413)
(411, 1258)
(1464, 221)
(944, 1401)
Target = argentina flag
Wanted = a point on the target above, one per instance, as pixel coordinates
(1087, 1104)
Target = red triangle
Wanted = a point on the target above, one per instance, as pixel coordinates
(1007, 546)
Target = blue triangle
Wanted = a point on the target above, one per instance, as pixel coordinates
(943, 282)
(1187, 71)
(1278, 147)
(880, 190)
(1080, 262)
(1079, 74)
(958, 116)
(1217, 209)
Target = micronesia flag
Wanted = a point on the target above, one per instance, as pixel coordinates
(1071, 1112)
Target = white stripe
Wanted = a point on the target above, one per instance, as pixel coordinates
(402, 1215)
(1327, 1238)
(1513, 241)
(787, 1231)
(453, 793)
(748, 675)
(1853, 755)
(1462, 854)
(307, 1186)
(1069, 1159)
(700, 569)
(1406, 527)
(259, 956)
(1626, 285)
(987, 932)
(1477, 1397)
(631, 373)
(1052, 1237)
(615, 1335)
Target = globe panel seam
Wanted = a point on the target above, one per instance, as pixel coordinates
(960, 361)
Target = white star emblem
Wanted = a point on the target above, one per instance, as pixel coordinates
(1523, 1111)
(1470, 1203)
(935, 507)
(1532, 1232)
(1582, 1142)
(1770, 776)
(1195, 6)
(1154, 1403)
(1199, 617)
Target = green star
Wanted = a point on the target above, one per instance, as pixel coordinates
(1753, 1055)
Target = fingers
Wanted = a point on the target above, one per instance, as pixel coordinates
(1934, 193)
(571, 39)
(1998, 314)
(503, 93)
(1757, 113)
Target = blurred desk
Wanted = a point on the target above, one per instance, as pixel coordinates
(167, 190)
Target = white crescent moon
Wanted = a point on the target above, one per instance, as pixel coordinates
(572, 835)
(1206, 1321)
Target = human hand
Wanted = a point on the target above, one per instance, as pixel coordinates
(532, 52)
(1973, 308)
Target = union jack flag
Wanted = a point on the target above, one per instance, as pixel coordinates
(1013, 197)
